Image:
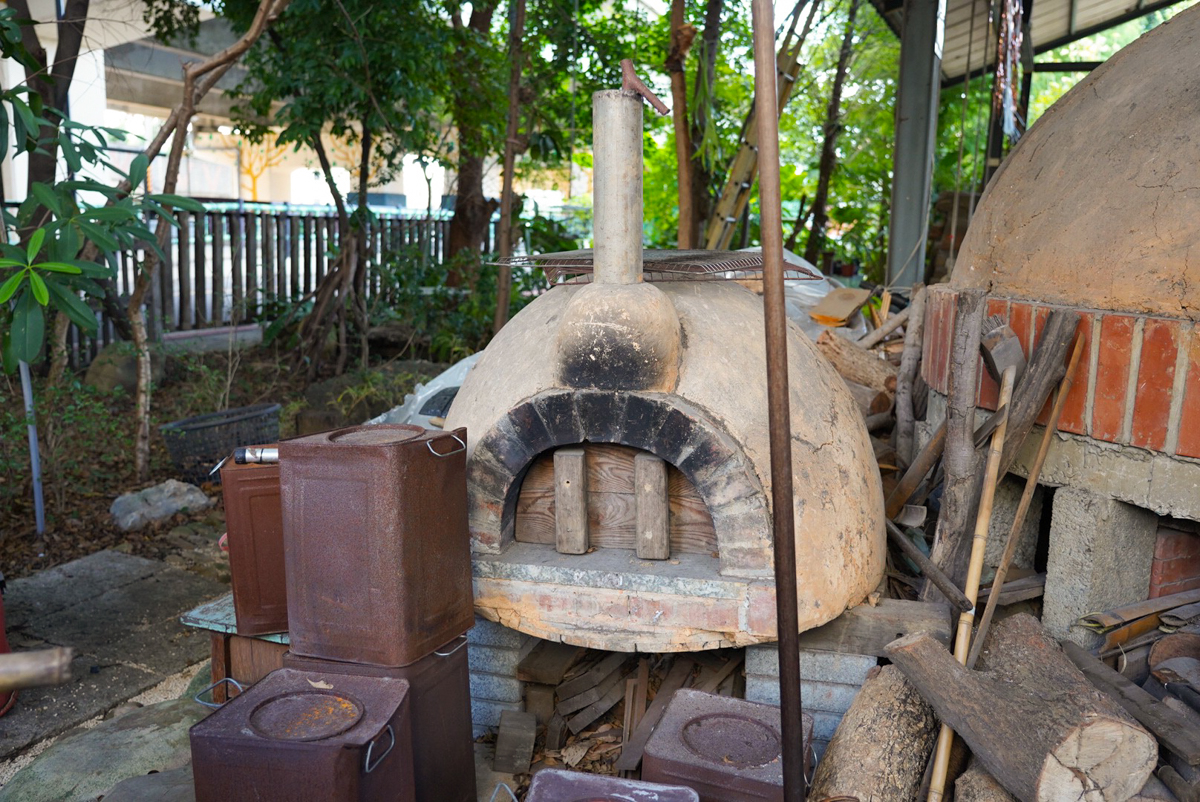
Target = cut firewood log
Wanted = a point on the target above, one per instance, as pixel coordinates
(880, 749)
(1031, 718)
(869, 400)
(857, 364)
(976, 785)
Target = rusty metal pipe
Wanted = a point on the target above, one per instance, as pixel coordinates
(38, 669)
(779, 412)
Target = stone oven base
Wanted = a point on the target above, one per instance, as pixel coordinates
(599, 601)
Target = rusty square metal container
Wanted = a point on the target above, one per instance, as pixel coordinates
(302, 737)
(556, 785)
(728, 750)
(375, 536)
(439, 700)
(254, 522)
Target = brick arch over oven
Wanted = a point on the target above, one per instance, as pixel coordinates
(665, 425)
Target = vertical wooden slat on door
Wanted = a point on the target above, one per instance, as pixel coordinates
(236, 251)
(184, 271)
(251, 248)
(268, 255)
(294, 253)
(308, 254)
(217, 221)
(200, 269)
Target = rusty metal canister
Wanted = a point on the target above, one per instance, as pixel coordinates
(439, 700)
(254, 522)
(556, 785)
(302, 737)
(728, 750)
(375, 536)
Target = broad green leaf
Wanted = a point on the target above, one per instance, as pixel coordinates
(104, 241)
(28, 328)
(10, 286)
(68, 302)
(38, 285)
(47, 198)
(137, 170)
(179, 202)
(6, 351)
(114, 213)
(35, 243)
(59, 267)
(3, 130)
(13, 263)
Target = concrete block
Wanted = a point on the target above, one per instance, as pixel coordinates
(850, 669)
(493, 660)
(825, 724)
(827, 697)
(489, 633)
(486, 713)
(1100, 557)
(494, 688)
(1008, 497)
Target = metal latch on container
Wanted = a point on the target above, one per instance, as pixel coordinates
(368, 766)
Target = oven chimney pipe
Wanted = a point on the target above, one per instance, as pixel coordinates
(617, 186)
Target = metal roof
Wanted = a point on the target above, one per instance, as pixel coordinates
(1055, 23)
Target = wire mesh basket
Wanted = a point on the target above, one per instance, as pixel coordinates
(198, 443)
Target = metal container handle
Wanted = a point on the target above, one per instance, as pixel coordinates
(461, 447)
(222, 681)
(368, 766)
(462, 638)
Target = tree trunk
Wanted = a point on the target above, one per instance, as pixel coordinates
(516, 33)
(962, 461)
(198, 78)
(976, 785)
(1031, 718)
(910, 364)
(857, 364)
(706, 74)
(882, 745)
(472, 211)
(833, 127)
(681, 41)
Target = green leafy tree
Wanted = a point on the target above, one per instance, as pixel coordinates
(367, 72)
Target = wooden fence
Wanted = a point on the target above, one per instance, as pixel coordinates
(224, 264)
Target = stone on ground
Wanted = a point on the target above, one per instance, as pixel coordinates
(135, 510)
(165, 786)
(116, 366)
(89, 763)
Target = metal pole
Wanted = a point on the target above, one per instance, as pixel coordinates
(35, 462)
(779, 414)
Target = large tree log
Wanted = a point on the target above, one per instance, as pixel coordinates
(880, 749)
(1032, 719)
(870, 402)
(857, 364)
(976, 785)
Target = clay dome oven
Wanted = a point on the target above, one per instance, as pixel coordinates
(618, 472)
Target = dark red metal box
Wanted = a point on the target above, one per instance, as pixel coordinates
(302, 737)
(254, 522)
(439, 700)
(555, 785)
(728, 750)
(377, 550)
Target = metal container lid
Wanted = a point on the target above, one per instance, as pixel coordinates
(376, 435)
(731, 739)
(305, 716)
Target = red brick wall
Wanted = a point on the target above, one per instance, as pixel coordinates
(1176, 565)
(1126, 390)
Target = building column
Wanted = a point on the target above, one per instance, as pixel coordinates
(916, 132)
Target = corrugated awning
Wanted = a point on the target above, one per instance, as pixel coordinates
(1055, 23)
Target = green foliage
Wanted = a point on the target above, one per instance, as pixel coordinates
(85, 441)
(56, 220)
(373, 389)
(346, 67)
(447, 323)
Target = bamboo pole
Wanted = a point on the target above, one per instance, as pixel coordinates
(983, 520)
(779, 412)
(1010, 546)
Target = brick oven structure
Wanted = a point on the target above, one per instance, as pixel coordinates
(626, 381)
(1098, 209)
